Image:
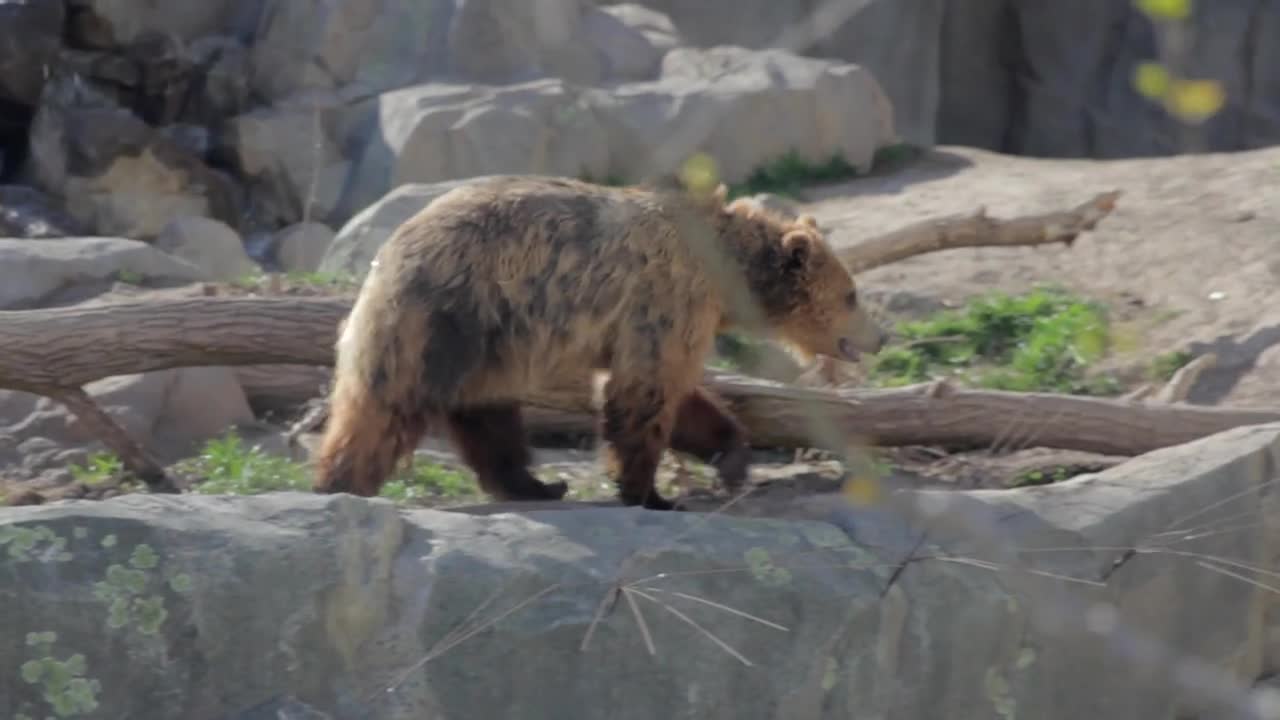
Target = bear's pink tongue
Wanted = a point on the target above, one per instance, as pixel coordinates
(847, 349)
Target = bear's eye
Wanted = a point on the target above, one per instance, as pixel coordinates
(851, 299)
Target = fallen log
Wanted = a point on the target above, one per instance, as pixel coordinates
(72, 346)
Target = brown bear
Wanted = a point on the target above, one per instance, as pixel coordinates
(514, 283)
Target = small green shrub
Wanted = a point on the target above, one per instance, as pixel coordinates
(1044, 340)
(1164, 366)
(227, 467)
(100, 467)
(1032, 478)
(733, 352)
(129, 277)
(322, 279)
(429, 481)
(790, 173)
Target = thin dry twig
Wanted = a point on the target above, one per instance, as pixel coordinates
(690, 621)
(640, 622)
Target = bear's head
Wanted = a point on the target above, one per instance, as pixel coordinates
(807, 296)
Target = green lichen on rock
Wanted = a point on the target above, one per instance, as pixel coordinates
(764, 569)
(63, 683)
(143, 557)
(31, 544)
(125, 587)
(180, 583)
(824, 536)
(997, 687)
(831, 675)
(150, 613)
(47, 637)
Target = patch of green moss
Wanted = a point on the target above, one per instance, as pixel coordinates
(1044, 340)
(63, 683)
(30, 544)
(100, 467)
(764, 569)
(1164, 366)
(790, 173)
(127, 591)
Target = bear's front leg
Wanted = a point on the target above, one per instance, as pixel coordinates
(707, 431)
(636, 422)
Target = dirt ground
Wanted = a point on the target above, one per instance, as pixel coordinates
(1189, 260)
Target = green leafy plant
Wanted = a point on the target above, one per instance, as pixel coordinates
(790, 173)
(1032, 478)
(322, 279)
(227, 467)
(426, 481)
(98, 468)
(1044, 340)
(1164, 366)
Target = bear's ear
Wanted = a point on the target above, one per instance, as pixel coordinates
(808, 221)
(796, 247)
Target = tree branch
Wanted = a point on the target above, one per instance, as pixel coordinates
(979, 230)
(102, 426)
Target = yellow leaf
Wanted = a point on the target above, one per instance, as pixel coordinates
(863, 490)
(1166, 9)
(1151, 79)
(1125, 337)
(699, 173)
(1196, 100)
(1091, 344)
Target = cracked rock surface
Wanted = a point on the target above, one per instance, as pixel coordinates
(1086, 598)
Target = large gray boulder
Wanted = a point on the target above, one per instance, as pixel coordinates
(116, 174)
(28, 213)
(1036, 77)
(299, 605)
(208, 244)
(355, 48)
(118, 23)
(744, 109)
(290, 159)
(30, 38)
(302, 247)
(33, 271)
(359, 239)
(440, 132)
(897, 41)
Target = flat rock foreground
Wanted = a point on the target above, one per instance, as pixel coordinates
(1140, 592)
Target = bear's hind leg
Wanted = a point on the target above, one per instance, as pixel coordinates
(491, 439)
(636, 423)
(363, 442)
(710, 433)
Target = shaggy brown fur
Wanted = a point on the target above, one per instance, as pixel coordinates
(498, 287)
